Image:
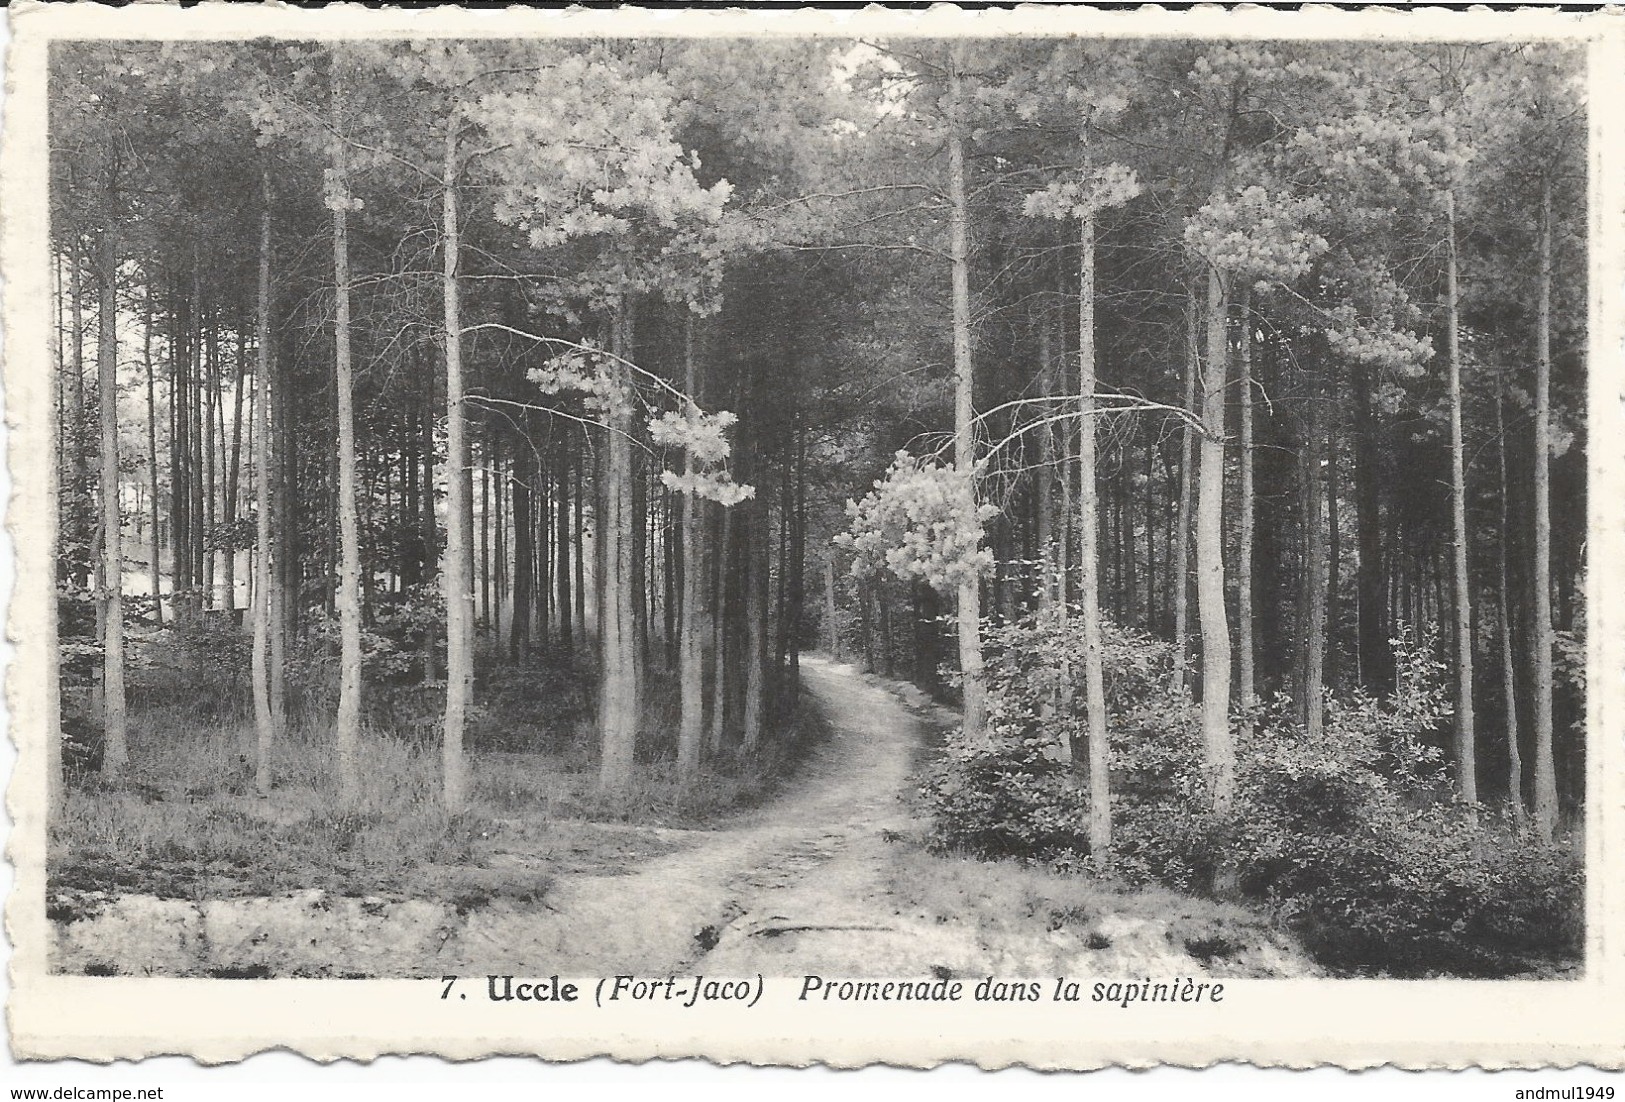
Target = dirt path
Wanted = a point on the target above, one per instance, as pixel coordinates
(828, 880)
(825, 882)
(801, 877)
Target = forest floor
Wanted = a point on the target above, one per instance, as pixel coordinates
(832, 879)
(829, 878)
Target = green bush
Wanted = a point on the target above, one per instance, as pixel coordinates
(1353, 838)
(1357, 840)
(1010, 796)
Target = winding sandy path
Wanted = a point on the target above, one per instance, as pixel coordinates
(800, 877)
(811, 884)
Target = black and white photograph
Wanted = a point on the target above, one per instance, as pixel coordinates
(1059, 518)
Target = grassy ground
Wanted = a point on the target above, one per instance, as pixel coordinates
(186, 823)
(1008, 902)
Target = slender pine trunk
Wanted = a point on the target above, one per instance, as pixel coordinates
(832, 630)
(263, 609)
(234, 469)
(1179, 575)
(1100, 811)
(970, 595)
(756, 602)
(154, 567)
(618, 702)
(691, 651)
(116, 751)
(347, 725)
(1466, 734)
(1312, 690)
(1540, 628)
(1248, 676)
(1044, 488)
(722, 674)
(1509, 674)
(78, 467)
(456, 583)
(1216, 734)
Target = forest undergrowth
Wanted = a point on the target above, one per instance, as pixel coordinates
(1353, 840)
(187, 822)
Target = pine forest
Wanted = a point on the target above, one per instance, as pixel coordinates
(801, 503)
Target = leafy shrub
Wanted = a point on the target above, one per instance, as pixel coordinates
(1358, 841)
(1419, 892)
(532, 708)
(1354, 838)
(1012, 794)
(214, 648)
(1009, 796)
(198, 666)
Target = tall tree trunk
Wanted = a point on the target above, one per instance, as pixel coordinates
(722, 675)
(180, 538)
(667, 537)
(970, 596)
(500, 467)
(456, 584)
(638, 546)
(484, 535)
(1153, 610)
(411, 553)
(1375, 658)
(580, 505)
(347, 726)
(561, 536)
(499, 565)
(1179, 575)
(234, 469)
(78, 489)
(691, 650)
(1128, 543)
(1216, 735)
(1045, 482)
(866, 626)
(196, 457)
(1334, 553)
(1466, 735)
(618, 701)
(756, 624)
(210, 407)
(155, 567)
(116, 752)
(263, 608)
(1509, 675)
(798, 562)
(55, 780)
(427, 525)
(283, 549)
(1100, 811)
(1248, 676)
(1540, 627)
(524, 550)
(1312, 687)
(1063, 553)
(832, 630)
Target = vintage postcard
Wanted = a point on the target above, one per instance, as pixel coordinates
(1030, 537)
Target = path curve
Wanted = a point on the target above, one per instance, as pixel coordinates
(802, 870)
(827, 880)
